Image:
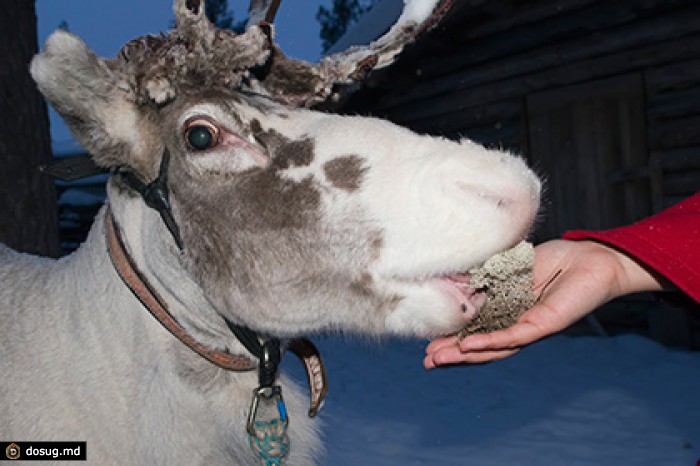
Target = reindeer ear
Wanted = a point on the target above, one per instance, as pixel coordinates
(93, 99)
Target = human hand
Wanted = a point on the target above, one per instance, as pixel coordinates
(571, 279)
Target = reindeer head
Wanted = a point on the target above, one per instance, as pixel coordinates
(291, 219)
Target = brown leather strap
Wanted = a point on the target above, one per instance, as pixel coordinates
(139, 285)
(315, 371)
(142, 289)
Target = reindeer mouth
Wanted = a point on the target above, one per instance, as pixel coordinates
(495, 294)
(469, 296)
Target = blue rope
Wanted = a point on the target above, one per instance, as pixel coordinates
(270, 442)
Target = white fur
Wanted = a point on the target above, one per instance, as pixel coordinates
(89, 363)
(442, 206)
(83, 360)
(83, 354)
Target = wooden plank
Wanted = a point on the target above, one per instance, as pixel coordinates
(681, 183)
(631, 119)
(506, 136)
(668, 201)
(674, 104)
(587, 70)
(664, 166)
(624, 175)
(590, 162)
(674, 133)
(543, 31)
(530, 12)
(552, 55)
(581, 134)
(549, 154)
(459, 118)
(674, 76)
(687, 158)
(656, 182)
(475, 39)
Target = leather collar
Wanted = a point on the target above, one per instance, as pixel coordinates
(135, 280)
(144, 291)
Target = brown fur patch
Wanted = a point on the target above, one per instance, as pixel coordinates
(285, 153)
(376, 246)
(345, 172)
(278, 203)
(294, 154)
(219, 219)
(363, 286)
(364, 289)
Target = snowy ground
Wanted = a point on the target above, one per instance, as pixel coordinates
(565, 401)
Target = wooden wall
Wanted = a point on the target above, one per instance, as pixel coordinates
(627, 76)
(601, 96)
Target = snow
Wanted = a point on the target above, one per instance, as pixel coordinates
(370, 26)
(383, 15)
(417, 10)
(617, 401)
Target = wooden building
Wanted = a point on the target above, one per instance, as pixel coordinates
(602, 97)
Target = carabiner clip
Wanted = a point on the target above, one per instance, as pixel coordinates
(274, 391)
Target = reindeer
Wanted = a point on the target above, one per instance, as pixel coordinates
(238, 220)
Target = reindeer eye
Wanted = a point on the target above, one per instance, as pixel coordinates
(202, 135)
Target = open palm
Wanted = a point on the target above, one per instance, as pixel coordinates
(572, 278)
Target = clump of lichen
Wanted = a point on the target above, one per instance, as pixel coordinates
(507, 280)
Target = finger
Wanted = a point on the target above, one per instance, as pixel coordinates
(452, 355)
(446, 355)
(428, 362)
(441, 343)
(482, 357)
(520, 334)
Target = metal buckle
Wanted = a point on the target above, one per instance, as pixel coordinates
(274, 391)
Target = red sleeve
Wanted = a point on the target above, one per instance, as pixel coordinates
(668, 242)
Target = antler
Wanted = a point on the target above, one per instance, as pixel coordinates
(262, 11)
(300, 83)
(418, 16)
(193, 55)
(196, 54)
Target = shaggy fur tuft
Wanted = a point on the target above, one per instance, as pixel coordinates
(161, 67)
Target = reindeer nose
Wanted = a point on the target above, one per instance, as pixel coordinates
(500, 197)
(518, 201)
(497, 199)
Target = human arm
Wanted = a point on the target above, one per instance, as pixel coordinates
(571, 278)
(617, 262)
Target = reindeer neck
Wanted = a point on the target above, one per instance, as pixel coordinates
(143, 251)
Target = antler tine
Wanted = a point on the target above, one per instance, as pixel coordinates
(190, 13)
(298, 83)
(194, 54)
(418, 17)
(197, 53)
(262, 11)
(192, 22)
